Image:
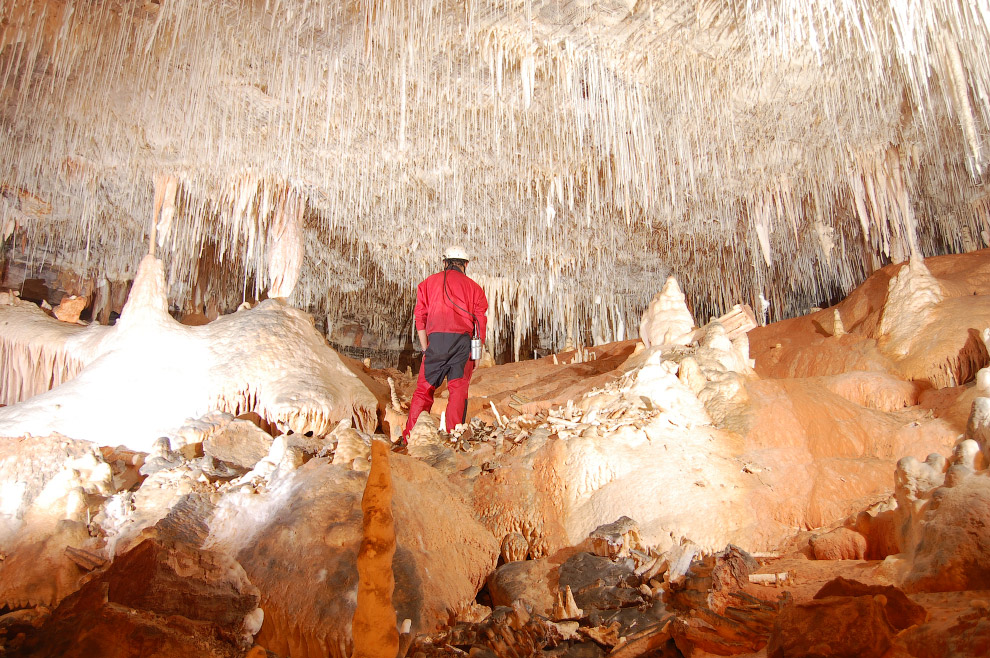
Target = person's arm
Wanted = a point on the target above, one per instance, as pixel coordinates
(420, 315)
(480, 314)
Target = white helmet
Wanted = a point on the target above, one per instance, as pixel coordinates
(455, 252)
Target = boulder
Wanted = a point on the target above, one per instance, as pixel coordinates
(833, 627)
(160, 598)
(298, 542)
(530, 581)
(70, 308)
(839, 544)
(599, 583)
(901, 611)
(616, 539)
(584, 569)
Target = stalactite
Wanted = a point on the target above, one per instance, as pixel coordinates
(560, 138)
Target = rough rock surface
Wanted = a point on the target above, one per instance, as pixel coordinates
(155, 600)
(901, 611)
(839, 544)
(70, 308)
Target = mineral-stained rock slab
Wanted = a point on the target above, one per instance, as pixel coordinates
(160, 598)
(70, 308)
(600, 583)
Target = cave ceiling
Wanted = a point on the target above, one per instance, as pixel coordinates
(582, 150)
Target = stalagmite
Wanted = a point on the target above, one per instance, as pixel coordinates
(374, 628)
(565, 607)
(911, 296)
(667, 321)
(837, 327)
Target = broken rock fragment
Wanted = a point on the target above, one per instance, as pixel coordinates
(240, 443)
(616, 539)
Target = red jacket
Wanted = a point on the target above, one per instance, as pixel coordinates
(451, 310)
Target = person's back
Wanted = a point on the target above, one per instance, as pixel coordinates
(451, 308)
(451, 302)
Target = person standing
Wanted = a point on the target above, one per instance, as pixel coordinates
(451, 309)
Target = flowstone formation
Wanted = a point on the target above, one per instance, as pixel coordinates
(941, 507)
(154, 377)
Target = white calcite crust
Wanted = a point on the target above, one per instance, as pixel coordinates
(146, 376)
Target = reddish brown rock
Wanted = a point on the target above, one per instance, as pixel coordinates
(833, 627)
(839, 544)
(159, 599)
(880, 533)
(70, 308)
(304, 558)
(529, 580)
(901, 611)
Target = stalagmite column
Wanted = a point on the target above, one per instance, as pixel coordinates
(373, 629)
(667, 320)
(166, 187)
(912, 294)
(286, 247)
(838, 329)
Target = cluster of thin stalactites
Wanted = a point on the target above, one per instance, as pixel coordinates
(582, 151)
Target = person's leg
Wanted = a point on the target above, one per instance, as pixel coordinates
(422, 400)
(457, 396)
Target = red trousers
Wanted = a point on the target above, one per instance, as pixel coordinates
(457, 391)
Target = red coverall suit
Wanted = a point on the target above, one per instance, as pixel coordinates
(449, 306)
